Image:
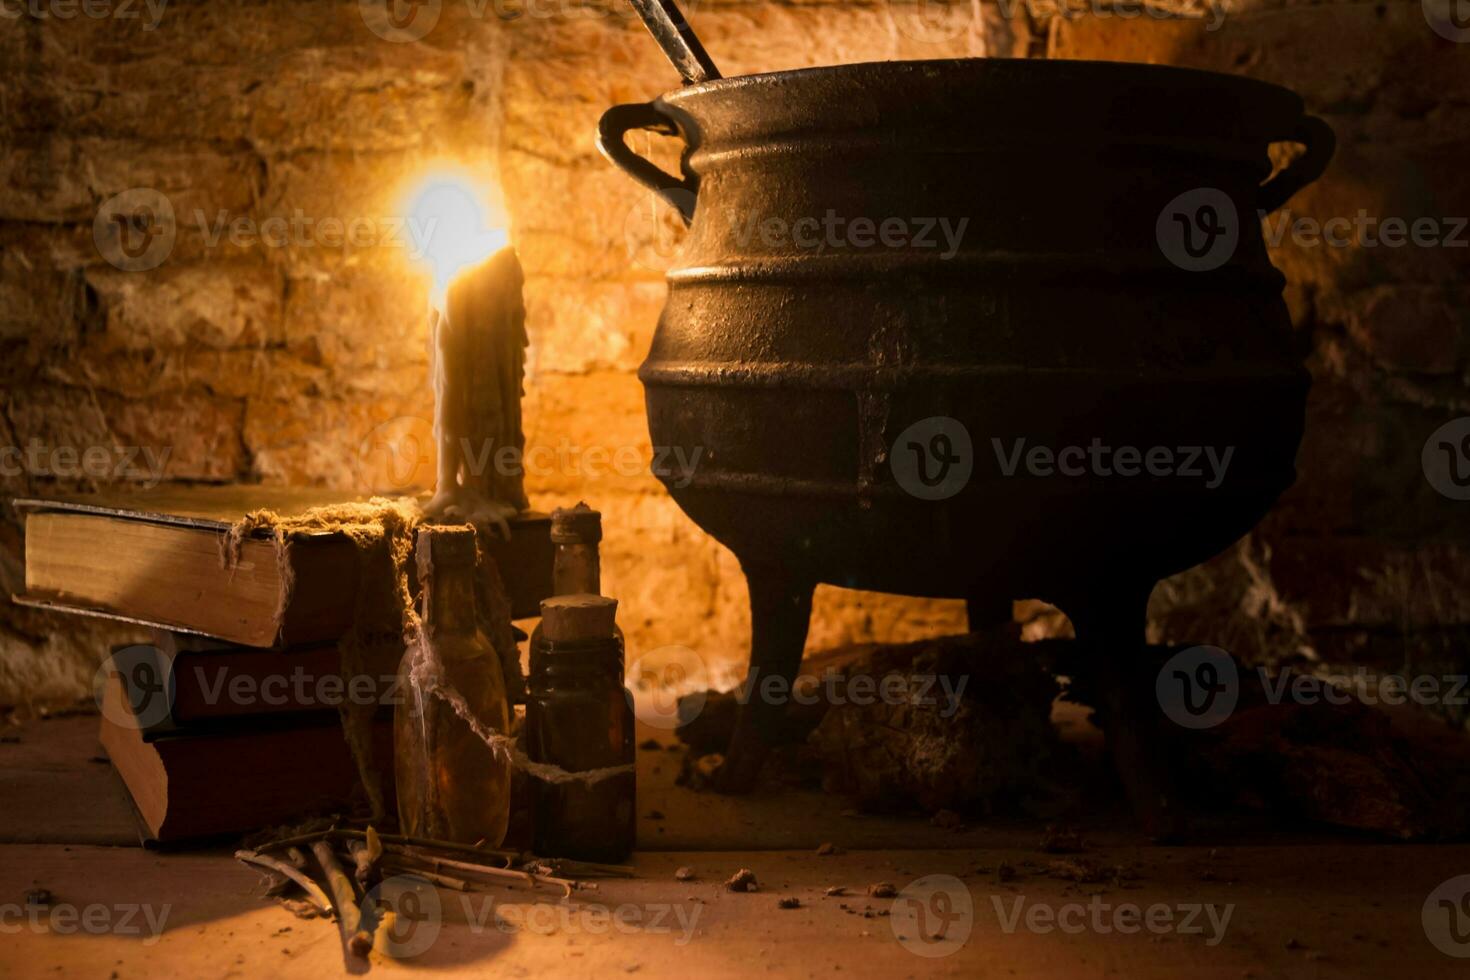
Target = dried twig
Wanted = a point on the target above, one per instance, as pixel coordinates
(366, 854)
(443, 881)
(578, 869)
(312, 889)
(413, 851)
(439, 845)
(357, 940)
(502, 874)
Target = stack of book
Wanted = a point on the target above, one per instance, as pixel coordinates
(227, 720)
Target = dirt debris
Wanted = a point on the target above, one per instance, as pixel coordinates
(742, 881)
(1062, 840)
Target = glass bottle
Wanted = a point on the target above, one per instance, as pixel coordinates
(451, 785)
(580, 717)
(576, 567)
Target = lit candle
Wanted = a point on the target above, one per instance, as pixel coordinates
(477, 358)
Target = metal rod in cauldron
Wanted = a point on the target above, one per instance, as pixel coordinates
(665, 21)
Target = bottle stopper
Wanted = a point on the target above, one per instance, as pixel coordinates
(445, 546)
(582, 616)
(576, 525)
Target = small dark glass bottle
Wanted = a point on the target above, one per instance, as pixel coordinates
(580, 717)
(576, 566)
(576, 532)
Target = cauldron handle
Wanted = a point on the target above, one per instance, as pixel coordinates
(612, 129)
(1320, 141)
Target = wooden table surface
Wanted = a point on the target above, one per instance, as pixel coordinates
(1329, 906)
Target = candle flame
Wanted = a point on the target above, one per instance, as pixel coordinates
(448, 228)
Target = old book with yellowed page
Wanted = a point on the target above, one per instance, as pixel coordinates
(164, 558)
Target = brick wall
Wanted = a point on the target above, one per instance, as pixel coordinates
(279, 360)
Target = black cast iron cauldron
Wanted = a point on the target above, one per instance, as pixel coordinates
(859, 397)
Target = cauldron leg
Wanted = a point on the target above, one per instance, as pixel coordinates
(985, 612)
(1111, 625)
(780, 611)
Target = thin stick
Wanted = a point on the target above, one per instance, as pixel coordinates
(312, 889)
(433, 878)
(347, 832)
(402, 844)
(567, 864)
(366, 854)
(349, 917)
(529, 877)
